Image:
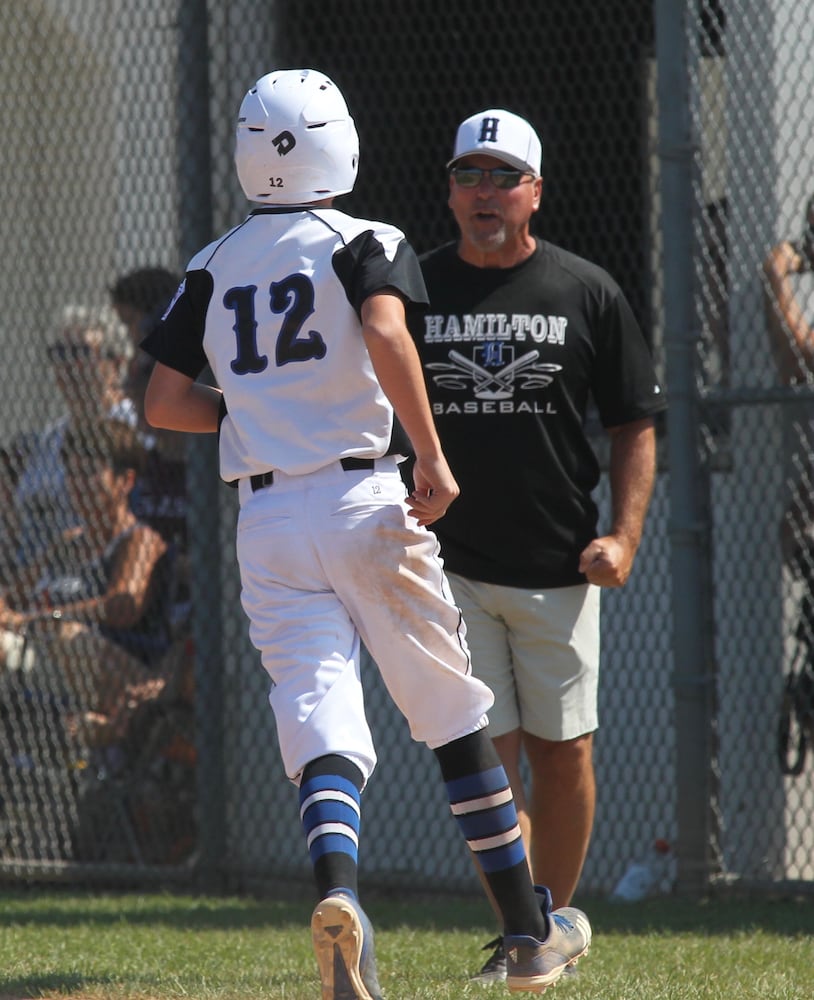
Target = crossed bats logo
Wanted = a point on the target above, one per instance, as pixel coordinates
(493, 383)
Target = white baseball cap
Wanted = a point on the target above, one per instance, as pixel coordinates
(501, 134)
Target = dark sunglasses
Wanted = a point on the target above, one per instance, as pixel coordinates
(503, 178)
(60, 353)
(66, 353)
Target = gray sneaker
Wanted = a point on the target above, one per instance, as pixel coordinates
(531, 965)
(575, 916)
(343, 943)
(494, 968)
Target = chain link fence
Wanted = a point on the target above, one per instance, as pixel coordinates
(677, 145)
(752, 182)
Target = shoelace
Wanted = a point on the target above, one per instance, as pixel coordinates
(497, 960)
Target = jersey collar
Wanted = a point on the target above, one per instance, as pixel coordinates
(281, 209)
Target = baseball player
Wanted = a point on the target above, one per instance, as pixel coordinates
(300, 311)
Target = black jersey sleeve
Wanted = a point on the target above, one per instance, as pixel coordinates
(624, 385)
(364, 268)
(177, 340)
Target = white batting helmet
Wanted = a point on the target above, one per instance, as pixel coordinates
(296, 141)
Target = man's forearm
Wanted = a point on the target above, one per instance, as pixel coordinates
(632, 477)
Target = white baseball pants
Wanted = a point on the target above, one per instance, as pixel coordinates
(333, 556)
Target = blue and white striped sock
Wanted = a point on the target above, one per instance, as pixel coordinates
(330, 812)
(482, 803)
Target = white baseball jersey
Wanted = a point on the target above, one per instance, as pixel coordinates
(274, 308)
(298, 384)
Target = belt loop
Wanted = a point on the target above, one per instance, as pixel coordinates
(261, 479)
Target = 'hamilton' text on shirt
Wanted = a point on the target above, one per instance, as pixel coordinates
(494, 326)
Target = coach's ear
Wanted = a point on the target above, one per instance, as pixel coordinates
(537, 192)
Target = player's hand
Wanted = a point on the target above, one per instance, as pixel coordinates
(607, 561)
(435, 489)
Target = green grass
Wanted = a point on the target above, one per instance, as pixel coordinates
(116, 946)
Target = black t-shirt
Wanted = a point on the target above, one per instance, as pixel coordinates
(511, 358)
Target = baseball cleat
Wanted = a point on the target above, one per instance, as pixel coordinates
(577, 917)
(343, 944)
(531, 965)
(494, 968)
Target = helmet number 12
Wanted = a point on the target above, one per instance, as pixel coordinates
(293, 298)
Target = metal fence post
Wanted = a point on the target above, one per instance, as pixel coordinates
(196, 221)
(694, 668)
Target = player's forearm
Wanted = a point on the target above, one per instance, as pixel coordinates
(781, 263)
(398, 369)
(403, 384)
(177, 403)
(632, 476)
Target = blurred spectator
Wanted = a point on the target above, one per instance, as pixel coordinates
(140, 298)
(790, 303)
(92, 609)
(87, 358)
(789, 300)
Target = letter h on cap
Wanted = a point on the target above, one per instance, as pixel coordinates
(488, 130)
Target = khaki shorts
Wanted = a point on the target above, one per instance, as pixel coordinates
(538, 650)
